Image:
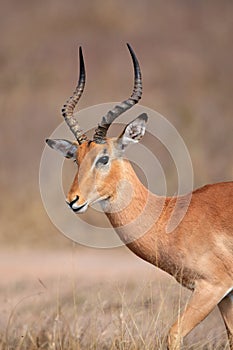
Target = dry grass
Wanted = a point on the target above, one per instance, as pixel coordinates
(98, 300)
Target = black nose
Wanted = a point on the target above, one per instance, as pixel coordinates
(73, 201)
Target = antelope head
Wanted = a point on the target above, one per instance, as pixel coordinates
(100, 161)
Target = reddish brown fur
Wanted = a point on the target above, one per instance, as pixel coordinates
(198, 253)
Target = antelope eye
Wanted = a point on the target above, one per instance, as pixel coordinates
(102, 161)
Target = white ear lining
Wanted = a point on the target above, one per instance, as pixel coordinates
(134, 131)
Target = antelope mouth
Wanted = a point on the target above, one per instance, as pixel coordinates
(81, 209)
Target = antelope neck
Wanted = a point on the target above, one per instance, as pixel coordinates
(135, 209)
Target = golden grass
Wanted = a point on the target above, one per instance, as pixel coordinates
(126, 306)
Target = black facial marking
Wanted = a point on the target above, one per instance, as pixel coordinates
(69, 154)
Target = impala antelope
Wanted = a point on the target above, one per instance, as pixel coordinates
(199, 251)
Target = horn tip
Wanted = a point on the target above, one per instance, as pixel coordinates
(129, 46)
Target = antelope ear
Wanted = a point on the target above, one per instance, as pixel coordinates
(133, 132)
(66, 148)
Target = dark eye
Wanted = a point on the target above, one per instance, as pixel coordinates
(102, 161)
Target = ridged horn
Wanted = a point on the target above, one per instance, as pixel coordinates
(69, 106)
(101, 130)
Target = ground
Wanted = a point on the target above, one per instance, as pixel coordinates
(83, 298)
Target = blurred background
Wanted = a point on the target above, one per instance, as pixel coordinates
(185, 50)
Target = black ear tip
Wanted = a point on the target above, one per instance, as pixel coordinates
(143, 116)
(49, 142)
